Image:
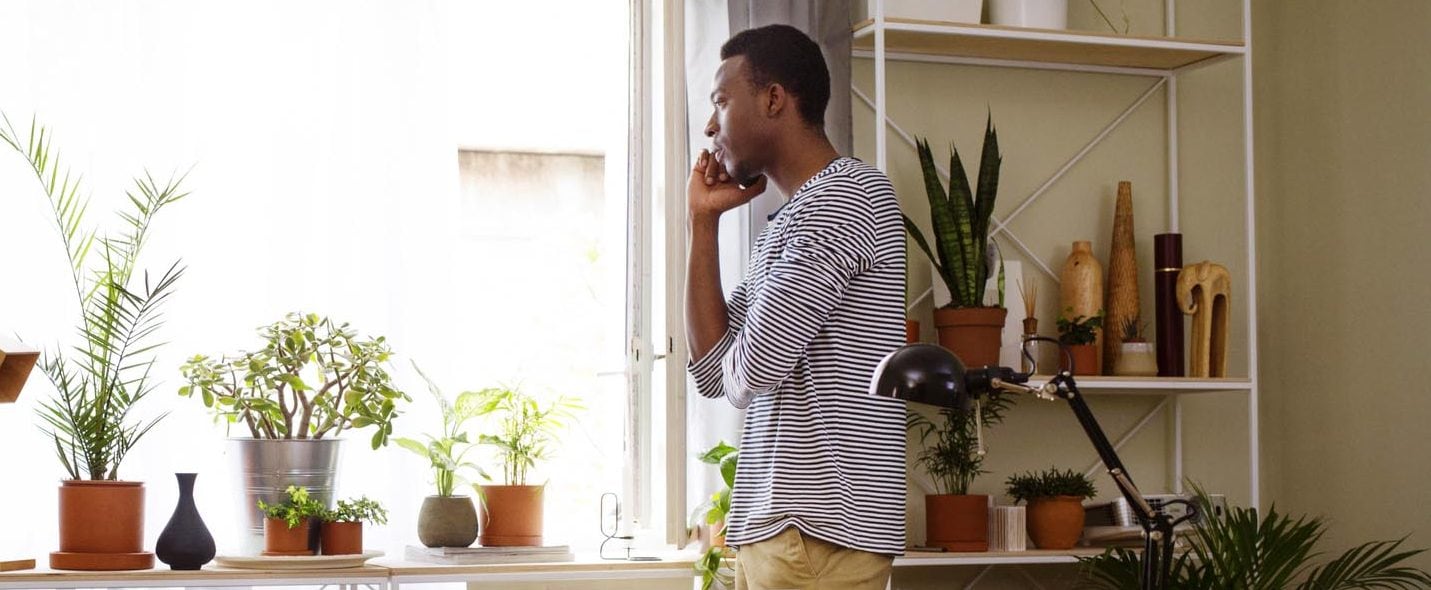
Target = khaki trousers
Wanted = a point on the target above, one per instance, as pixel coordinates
(793, 561)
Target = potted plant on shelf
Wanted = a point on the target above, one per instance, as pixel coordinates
(511, 514)
(962, 254)
(342, 530)
(447, 519)
(1055, 505)
(313, 380)
(712, 514)
(1239, 548)
(954, 519)
(1136, 357)
(1079, 334)
(288, 525)
(101, 380)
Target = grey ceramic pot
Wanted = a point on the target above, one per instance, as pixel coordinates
(447, 521)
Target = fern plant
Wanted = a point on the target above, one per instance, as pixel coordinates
(1245, 550)
(99, 381)
(962, 255)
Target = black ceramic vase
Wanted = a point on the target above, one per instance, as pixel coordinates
(185, 543)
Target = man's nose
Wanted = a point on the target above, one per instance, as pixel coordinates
(711, 127)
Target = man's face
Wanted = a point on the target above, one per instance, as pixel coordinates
(737, 127)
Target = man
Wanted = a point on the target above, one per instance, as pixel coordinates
(820, 486)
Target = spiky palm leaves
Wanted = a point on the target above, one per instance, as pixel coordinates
(99, 381)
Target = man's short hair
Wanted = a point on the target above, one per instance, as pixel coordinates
(781, 54)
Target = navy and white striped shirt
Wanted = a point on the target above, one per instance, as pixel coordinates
(822, 304)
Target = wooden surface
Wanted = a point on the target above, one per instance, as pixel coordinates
(17, 564)
(1047, 46)
(1122, 290)
(583, 563)
(208, 573)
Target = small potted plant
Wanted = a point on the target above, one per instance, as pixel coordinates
(954, 519)
(963, 254)
(1078, 335)
(447, 519)
(1136, 357)
(711, 565)
(511, 514)
(288, 525)
(342, 532)
(1055, 505)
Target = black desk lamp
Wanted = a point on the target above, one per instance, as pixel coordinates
(929, 374)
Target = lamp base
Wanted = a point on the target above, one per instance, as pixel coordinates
(10, 565)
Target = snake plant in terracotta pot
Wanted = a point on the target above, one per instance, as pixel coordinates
(963, 255)
(100, 381)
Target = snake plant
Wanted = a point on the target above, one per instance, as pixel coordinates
(962, 251)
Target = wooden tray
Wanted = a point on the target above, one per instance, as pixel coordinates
(298, 562)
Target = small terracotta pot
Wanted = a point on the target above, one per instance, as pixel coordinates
(101, 526)
(718, 534)
(1057, 522)
(278, 539)
(510, 516)
(1085, 359)
(341, 538)
(911, 331)
(974, 334)
(957, 523)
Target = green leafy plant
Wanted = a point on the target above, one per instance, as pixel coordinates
(357, 510)
(447, 451)
(1049, 483)
(710, 566)
(296, 508)
(1076, 330)
(100, 381)
(955, 456)
(962, 253)
(313, 378)
(1245, 550)
(526, 428)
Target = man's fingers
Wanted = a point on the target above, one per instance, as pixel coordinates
(702, 161)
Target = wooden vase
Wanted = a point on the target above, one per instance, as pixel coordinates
(1081, 285)
(1122, 304)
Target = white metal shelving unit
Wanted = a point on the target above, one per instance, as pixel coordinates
(1163, 59)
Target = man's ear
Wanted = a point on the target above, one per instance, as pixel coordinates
(775, 100)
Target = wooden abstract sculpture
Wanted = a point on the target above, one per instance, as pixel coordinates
(1203, 292)
(1122, 292)
(16, 361)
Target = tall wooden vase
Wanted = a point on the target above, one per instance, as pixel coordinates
(1081, 284)
(1122, 303)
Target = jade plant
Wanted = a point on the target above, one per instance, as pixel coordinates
(1050, 483)
(295, 509)
(313, 378)
(447, 451)
(962, 253)
(99, 381)
(711, 565)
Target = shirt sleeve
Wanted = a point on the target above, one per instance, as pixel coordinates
(824, 247)
(706, 371)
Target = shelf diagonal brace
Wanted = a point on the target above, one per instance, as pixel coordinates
(982, 572)
(1032, 581)
(1132, 432)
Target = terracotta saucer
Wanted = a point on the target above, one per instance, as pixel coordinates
(101, 562)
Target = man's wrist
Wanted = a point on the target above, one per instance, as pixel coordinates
(703, 220)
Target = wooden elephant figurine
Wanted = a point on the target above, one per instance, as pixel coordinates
(1203, 292)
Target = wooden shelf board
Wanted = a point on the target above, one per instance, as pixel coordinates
(921, 559)
(933, 38)
(1099, 385)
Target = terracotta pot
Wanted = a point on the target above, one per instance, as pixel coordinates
(718, 534)
(101, 526)
(973, 334)
(510, 516)
(1057, 522)
(957, 523)
(447, 521)
(279, 539)
(1085, 359)
(341, 538)
(911, 331)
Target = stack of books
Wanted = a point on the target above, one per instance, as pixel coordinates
(489, 555)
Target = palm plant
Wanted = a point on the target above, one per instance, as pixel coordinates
(961, 254)
(526, 428)
(956, 456)
(447, 451)
(1241, 549)
(99, 381)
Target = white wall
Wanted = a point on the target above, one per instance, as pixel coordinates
(323, 143)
